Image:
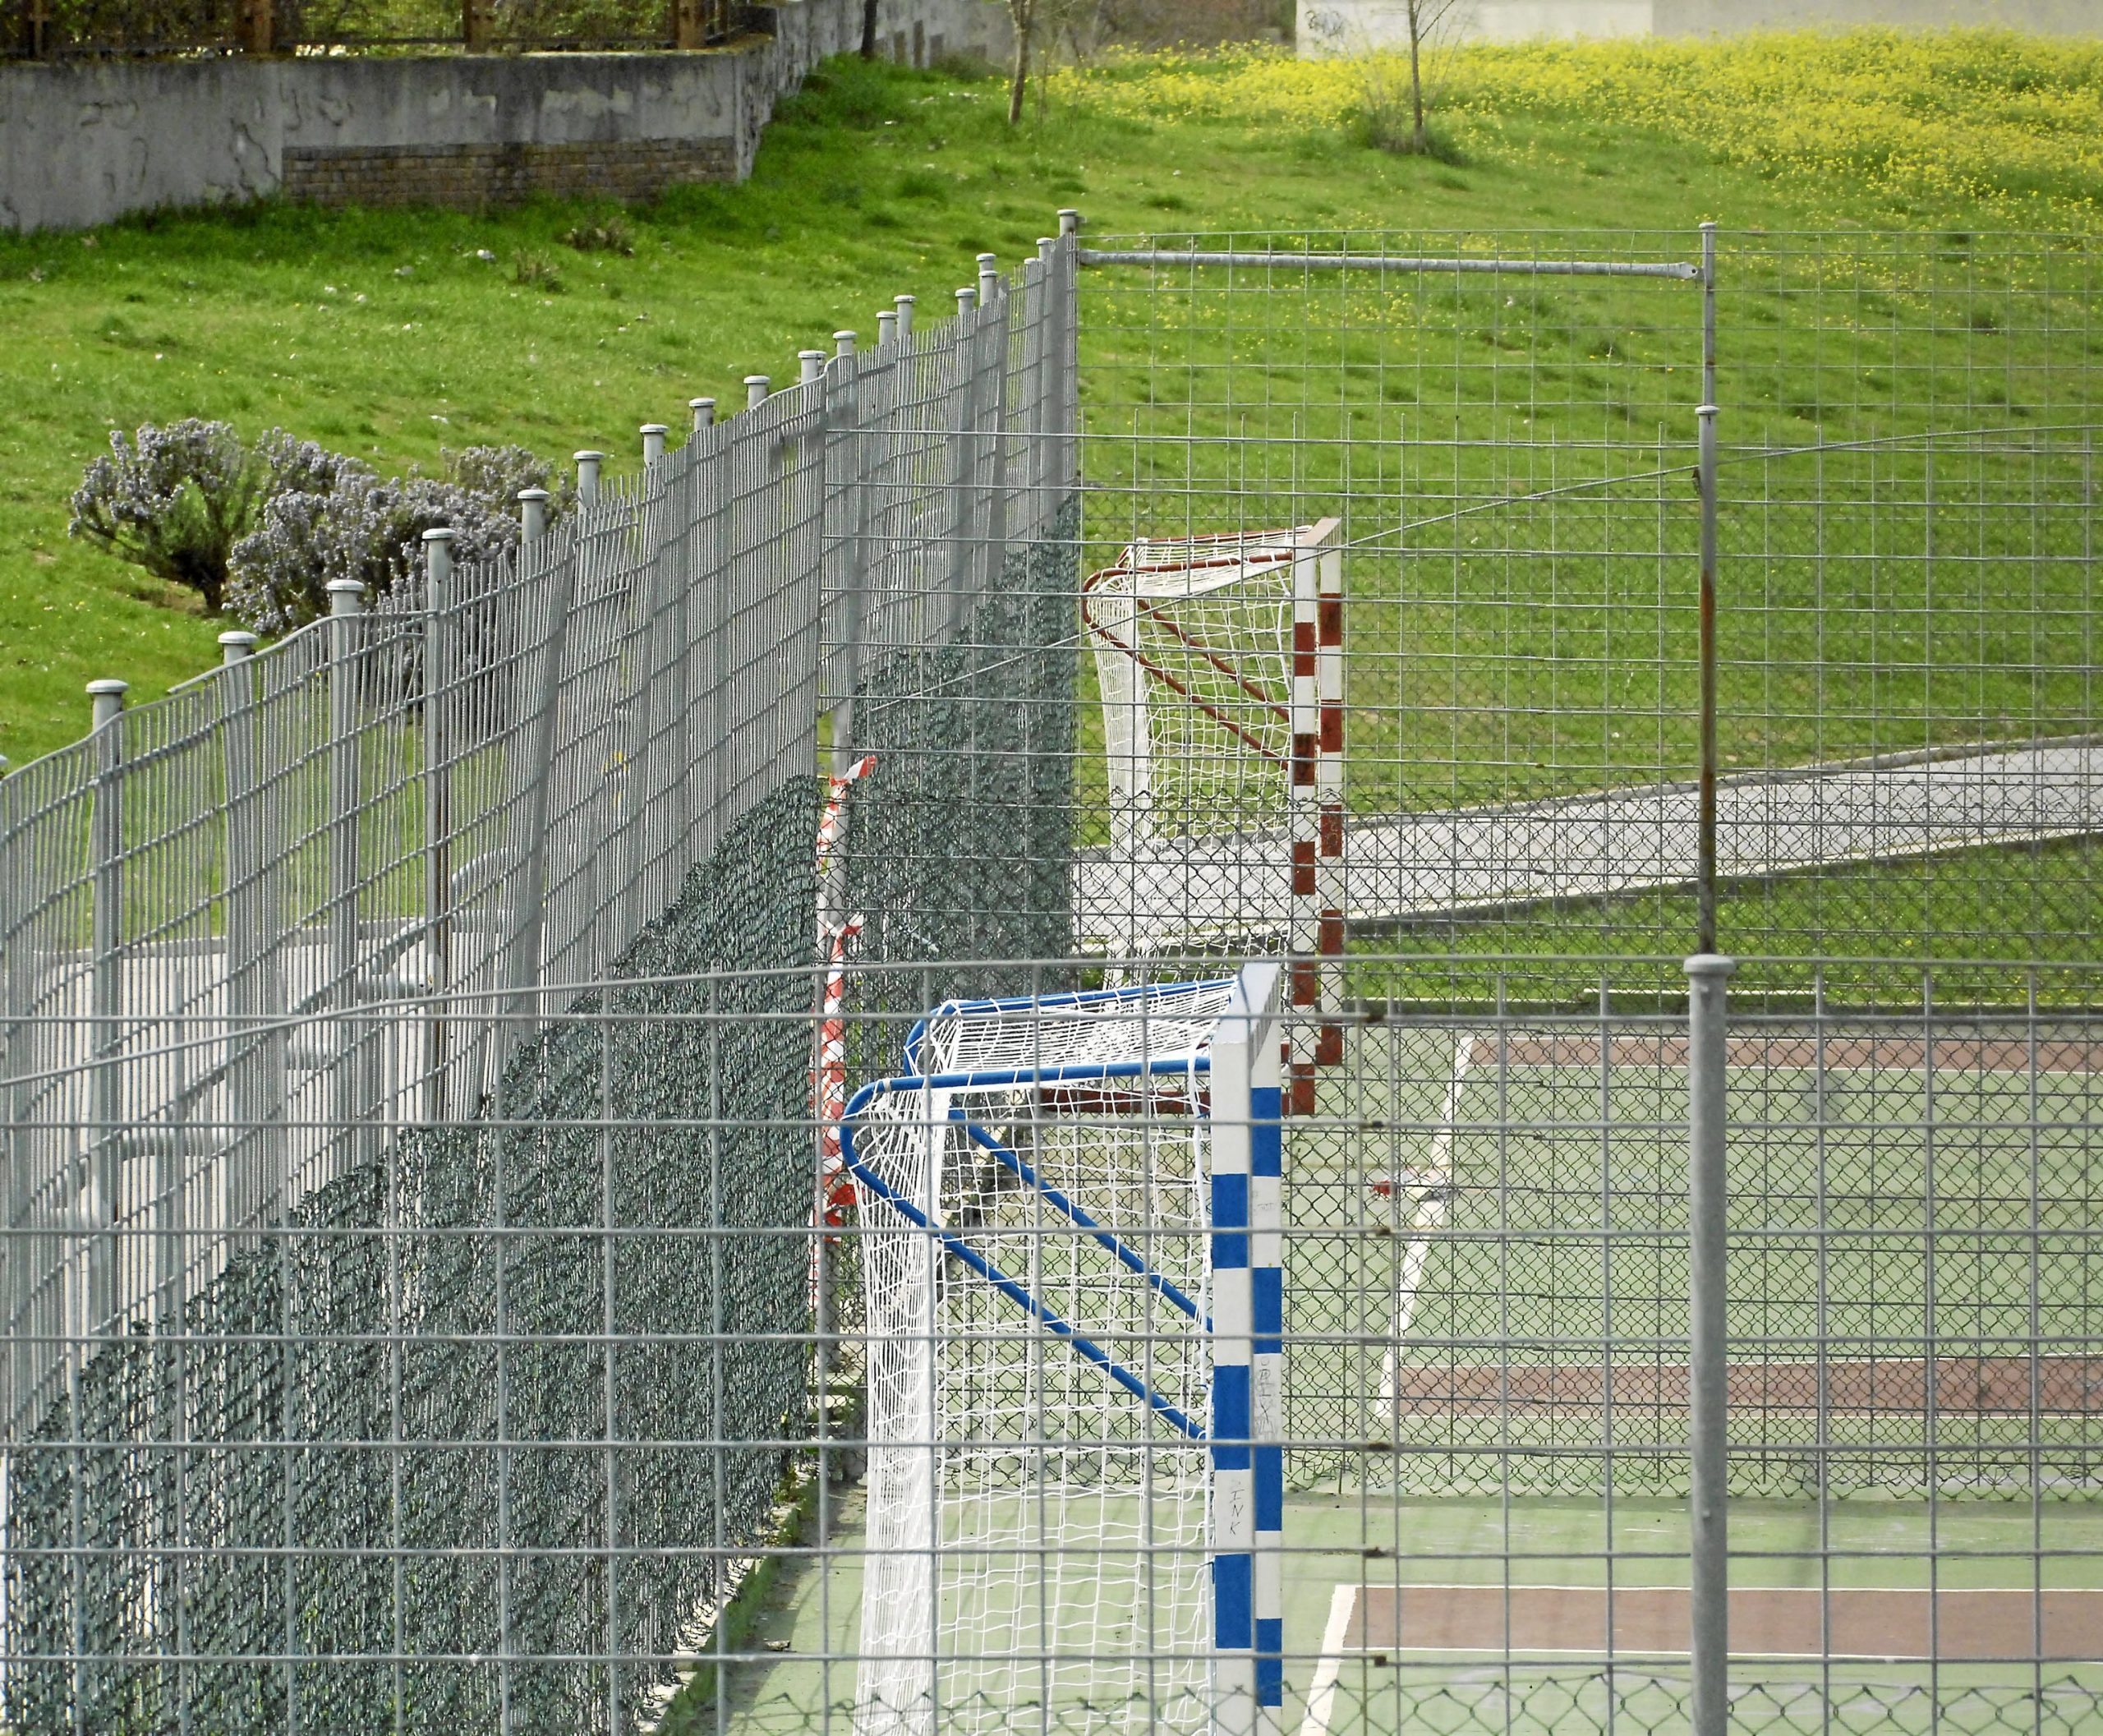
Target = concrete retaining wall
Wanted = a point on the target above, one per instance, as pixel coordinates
(83, 143)
(1353, 26)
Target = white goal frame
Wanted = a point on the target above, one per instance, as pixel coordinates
(1208, 1051)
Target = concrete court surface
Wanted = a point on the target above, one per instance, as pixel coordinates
(1602, 844)
(815, 1616)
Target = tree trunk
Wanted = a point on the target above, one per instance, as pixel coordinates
(869, 29)
(1420, 142)
(1018, 85)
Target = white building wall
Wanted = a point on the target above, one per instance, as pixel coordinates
(1328, 27)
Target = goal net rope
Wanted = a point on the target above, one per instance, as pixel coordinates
(1206, 652)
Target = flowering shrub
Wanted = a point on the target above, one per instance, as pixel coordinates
(370, 530)
(175, 501)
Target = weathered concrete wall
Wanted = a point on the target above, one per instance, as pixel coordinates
(1352, 26)
(83, 143)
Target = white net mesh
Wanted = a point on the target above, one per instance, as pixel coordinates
(1036, 1284)
(1192, 644)
(1193, 641)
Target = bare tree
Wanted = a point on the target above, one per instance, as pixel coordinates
(1428, 20)
(1430, 25)
(869, 29)
(1023, 12)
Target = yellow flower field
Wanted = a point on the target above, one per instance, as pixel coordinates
(2011, 122)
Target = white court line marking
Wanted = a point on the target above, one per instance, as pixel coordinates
(1432, 1205)
(1329, 1666)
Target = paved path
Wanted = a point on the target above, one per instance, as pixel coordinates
(1477, 860)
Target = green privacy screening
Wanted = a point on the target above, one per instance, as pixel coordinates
(962, 832)
(408, 1035)
(316, 1396)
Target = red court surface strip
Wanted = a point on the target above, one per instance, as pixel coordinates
(1846, 1048)
(1884, 1386)
(1895, 1625)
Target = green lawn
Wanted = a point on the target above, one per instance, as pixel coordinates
(1511, 455)
(384, 335)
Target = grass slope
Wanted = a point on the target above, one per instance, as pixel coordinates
(384, 335)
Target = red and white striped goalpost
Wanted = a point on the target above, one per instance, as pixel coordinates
(1317, 810)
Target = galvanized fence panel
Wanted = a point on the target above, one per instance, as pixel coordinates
(429, 1301)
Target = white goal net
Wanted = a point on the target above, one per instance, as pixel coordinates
(1209, 744)
(1037, 1216)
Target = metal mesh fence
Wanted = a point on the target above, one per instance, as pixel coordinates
(1489, 1286)
(365, 1091)
(1504, 427)
(441, 1289)
(389, 1442)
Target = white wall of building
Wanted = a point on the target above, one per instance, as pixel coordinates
(1328, 27)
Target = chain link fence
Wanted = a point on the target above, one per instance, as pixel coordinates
(436, 1291)
(408, 1050)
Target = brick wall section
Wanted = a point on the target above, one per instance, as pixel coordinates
(473, 177)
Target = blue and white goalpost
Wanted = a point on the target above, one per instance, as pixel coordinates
(1071, 1240)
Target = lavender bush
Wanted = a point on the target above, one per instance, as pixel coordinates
(370, 530)
(176, 499)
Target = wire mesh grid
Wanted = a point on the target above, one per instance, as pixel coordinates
(1503, 427)
(625, 1149)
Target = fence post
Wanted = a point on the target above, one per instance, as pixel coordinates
(843, 408)
(587, 477)
(17, 1257)
(1705, 868)
(529, 922)
(963, 464)
(996, 314)
(254, 984)
(703, 412)
(23, 1255)
(659, 786)
(1048, 359)
(345, 604)
(756, 385)
(1066, 315)
(1031, 480)
(474, 24)
(1707, 1346)
(1705, 873)
(439, 637)
(106, 997)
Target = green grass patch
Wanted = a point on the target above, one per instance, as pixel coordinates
(388, 334)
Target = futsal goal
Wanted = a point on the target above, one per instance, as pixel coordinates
(1219, 661)
(1070, 1223)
